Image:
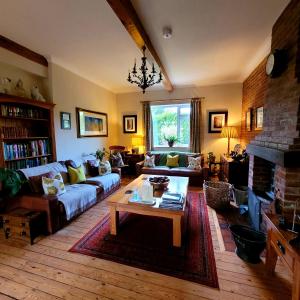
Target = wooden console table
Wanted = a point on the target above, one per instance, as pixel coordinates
(278, 246)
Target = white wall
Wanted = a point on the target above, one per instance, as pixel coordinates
(70, 91)
(218, 97)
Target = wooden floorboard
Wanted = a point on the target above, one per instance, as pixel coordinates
(47, 270)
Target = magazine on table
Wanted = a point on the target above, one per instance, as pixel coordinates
(172, 201)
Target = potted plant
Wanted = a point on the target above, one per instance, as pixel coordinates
(10, 184)
(171, 139)
(100, 154)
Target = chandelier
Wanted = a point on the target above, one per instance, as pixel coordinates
(144, 80)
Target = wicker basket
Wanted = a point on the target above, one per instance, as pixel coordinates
(217, 194)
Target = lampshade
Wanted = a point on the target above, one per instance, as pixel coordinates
(229, 132)
(137, 140)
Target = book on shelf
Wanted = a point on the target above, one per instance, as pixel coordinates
(28, 163)
(13, 132)
(27, 149)
(21, 112)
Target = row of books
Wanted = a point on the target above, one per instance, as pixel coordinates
(23, 150)
(16, 111)
(28, 163)
(13, 132)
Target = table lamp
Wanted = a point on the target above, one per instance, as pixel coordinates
(137, 142)
(229, 132)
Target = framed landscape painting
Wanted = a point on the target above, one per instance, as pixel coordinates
(91, 123)
(130, 124)
(216, 120)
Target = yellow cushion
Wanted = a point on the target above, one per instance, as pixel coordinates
(76, 175)
(172, 161)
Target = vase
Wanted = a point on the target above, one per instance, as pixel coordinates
(171, 143)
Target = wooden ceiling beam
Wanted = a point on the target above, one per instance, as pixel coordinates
(23, 51)
(129, 18)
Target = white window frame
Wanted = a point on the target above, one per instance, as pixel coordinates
(164, 148)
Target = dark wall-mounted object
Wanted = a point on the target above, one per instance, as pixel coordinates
(276, 63)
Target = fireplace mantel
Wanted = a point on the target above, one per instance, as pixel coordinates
(286, 159)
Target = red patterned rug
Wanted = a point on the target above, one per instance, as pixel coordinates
(146, 242)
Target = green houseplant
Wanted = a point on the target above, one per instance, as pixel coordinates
(10, 185)
(171, 139)
(100, 154)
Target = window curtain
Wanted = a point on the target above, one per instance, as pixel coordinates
(147, 126)
(195, 125)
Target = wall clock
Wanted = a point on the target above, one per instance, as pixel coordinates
(276, 63)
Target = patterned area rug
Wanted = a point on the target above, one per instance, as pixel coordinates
(146, 242)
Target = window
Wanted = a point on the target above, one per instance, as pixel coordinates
(171, 120)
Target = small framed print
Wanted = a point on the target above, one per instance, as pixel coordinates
(65, 120)
(249, 119)
(259, 118)
(130, 124)
(216, 120)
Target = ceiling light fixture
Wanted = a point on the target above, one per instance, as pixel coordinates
(167, 32)
(144, 80)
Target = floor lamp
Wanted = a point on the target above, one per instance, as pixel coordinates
(229, 132)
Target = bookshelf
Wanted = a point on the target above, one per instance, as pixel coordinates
(26, 132)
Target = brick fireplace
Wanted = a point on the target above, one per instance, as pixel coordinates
(275, 151)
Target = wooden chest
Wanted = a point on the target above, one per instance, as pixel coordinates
(24, 223)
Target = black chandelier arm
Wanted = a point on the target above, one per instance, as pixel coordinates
(144, 80)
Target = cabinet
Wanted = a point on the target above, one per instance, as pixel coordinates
(26, 132)
(278, 245)
(131, 160)
(234, 172)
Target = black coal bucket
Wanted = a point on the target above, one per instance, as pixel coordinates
(249, 243)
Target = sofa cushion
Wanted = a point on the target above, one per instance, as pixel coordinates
(77, 175)
(92, 167)
(104, 168)
(35, 182)
(53, 186)
(158, 170)
(194, 163)
(149, 161)
(172, 161)
(117, 160)
(78, 198)
(107, 182)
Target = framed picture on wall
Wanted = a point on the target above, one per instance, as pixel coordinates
(91, 123)
(259, 118)
(65, 120)
(130, 124)
(216, 120)
(249, 119)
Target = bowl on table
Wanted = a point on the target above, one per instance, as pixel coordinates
(159, 182)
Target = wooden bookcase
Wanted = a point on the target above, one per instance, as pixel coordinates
(27, 136)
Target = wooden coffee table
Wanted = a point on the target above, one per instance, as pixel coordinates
(119, 202)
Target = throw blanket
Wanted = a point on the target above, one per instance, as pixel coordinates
(78, 198)
(106, 181)
(52, 167)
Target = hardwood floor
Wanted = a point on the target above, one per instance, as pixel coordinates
(47, 270)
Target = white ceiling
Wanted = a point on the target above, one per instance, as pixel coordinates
(214, 41)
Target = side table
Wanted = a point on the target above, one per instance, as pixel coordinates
(278, 245)
(214, 164)
(131, 160)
